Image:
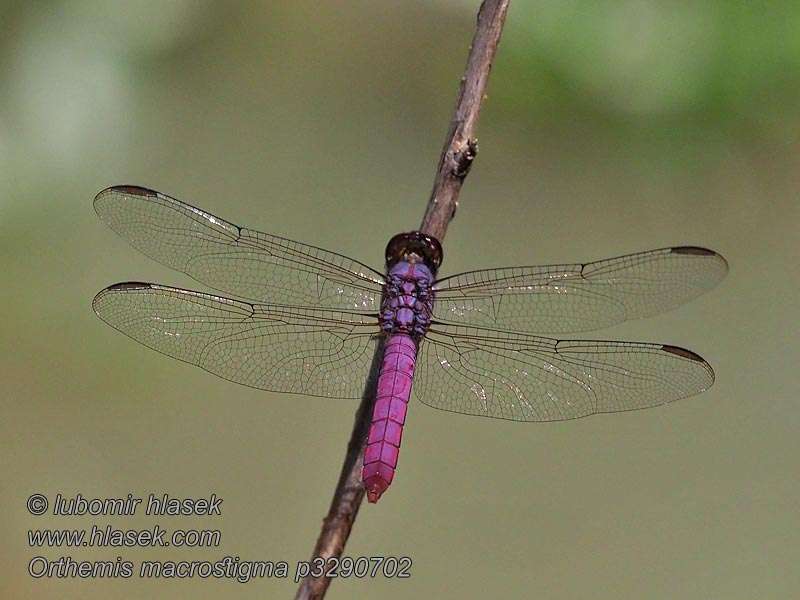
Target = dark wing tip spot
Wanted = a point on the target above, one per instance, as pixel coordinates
(134, 190)
(698, 251)
(131, 190)
(127, 286)
(695, 250)
(683, 352)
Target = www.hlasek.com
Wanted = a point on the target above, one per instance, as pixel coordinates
(109, 537)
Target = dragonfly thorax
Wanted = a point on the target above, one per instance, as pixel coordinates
(407, 300)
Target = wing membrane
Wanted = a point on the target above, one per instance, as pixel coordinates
(309, 351)
(579, 297)
(242, 262)
(523, 377)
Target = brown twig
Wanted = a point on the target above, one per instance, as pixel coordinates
(459, 151)
(461, 146)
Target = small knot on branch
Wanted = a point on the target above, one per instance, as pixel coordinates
(463, 158)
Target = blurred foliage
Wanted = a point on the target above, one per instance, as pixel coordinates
(680, 64)
(663, 75)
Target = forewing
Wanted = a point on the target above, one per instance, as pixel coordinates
(316, 352)
(579, 297)
(522, 377)
(242, 262)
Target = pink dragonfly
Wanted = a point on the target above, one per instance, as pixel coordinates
(308, 321)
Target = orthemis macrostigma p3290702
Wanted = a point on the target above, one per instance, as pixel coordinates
(308, 321)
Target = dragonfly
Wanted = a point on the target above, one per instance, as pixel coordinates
(304, 320)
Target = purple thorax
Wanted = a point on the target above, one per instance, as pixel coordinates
(407, 300)
(412, 260)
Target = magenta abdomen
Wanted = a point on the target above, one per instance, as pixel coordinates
(389, 414)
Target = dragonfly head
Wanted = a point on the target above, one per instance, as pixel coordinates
(414, 247)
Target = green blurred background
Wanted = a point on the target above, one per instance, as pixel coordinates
(610, 127)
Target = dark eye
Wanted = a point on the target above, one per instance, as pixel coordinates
(414, 242)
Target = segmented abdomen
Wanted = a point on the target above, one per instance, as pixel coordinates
(389, 414)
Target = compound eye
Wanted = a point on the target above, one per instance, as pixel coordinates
(434, 253)
(396, 248)
(414, 242)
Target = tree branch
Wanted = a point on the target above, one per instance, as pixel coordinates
(461, 146)
(459, 152)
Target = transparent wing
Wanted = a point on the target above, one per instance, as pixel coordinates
(522, 377)
(242, 262)
(579, 297)
(309, 351)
